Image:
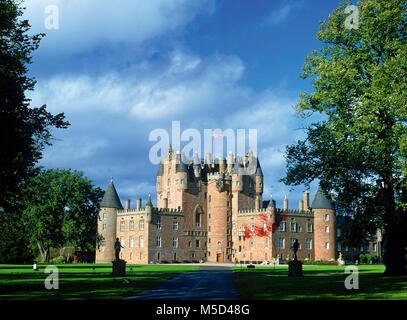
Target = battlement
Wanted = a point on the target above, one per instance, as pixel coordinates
(241, 212)
(131, 211)
(168, 211)
(154, 210)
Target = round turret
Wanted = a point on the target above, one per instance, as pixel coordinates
(324, 227)
(107, 224)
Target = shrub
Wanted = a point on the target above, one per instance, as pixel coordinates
(58, 260)
(320, 262)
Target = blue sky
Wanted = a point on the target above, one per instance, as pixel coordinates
(119, 70)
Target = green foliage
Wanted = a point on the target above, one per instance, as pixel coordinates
(320, 262)
(357, 143)
(58, 260)
(25, 130)
(60, 208)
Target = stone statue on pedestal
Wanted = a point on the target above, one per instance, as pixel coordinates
(119, 266)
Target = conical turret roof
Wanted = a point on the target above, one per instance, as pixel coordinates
(259, 172)
(321, 200)
(160, 169)
(111, 198)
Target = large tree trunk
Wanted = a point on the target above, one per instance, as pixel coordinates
(395, 253)
(44, 253)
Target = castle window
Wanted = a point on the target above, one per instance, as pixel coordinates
(339, 247)
(233, 225)
(338, 232)
(158, 242)
(141, 242)
(121, 225)
(197, 220)
(169, 182)
(346, 248)
(104, 226)
(362, 249)
(197, 243)
(252, 227)
(182, 181)
(175, 225)
(292, 243)
(308, 244)
(265, 226)
(326, 217)
(141, 225)
(326, 245)
(205, 195)
(309, 227)
(293, 227)
(219, 247)
(299, 229)
(122, 241)
(131, 224)
(189, 244)
(175, 243)
(282, 226)
(159, 224)
(205, 244)
(266, 245)
(131, 242)
(326, 229)
(210, 198)
(104, 215)
(374, 247)
(169, 170)
(103, 244)
(251, 243)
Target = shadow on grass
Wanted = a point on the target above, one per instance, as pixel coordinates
(83, 288)
(274, 287)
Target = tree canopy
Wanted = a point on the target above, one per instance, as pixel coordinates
(60, 207)
(24, 130)
(358, 146)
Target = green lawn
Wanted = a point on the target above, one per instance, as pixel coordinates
(82, 281)
(318, 282)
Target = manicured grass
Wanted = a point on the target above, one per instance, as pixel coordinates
(318, 282)
(83, 281)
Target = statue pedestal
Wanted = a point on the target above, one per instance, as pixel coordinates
(119, 267)
(295, 268)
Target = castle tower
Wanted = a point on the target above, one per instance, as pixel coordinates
(107, 224)
(324, 227)
(220, 237)
(259, 182)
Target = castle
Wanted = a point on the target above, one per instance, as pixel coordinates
(213, 210)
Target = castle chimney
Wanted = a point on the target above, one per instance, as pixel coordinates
(127, 204)
(306, 199)
(208, 158)
(138, 203)
(285, 205)
(221, 165)
(301, 205)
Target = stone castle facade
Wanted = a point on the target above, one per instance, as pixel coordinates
(214, 211)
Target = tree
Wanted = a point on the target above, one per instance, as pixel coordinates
(358, 144)
(24, 130)
(60, 208)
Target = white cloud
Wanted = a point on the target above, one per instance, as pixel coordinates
(281, 14)
(83, 25)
